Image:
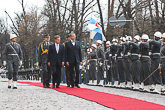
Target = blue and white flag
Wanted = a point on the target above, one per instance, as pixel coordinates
(96, 32)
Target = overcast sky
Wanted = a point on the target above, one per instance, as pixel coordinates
(12, 6)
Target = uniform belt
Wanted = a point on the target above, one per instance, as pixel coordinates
(106, 60)
(145, 56)
(156, 54)
(135, 54)
(12, 54)
(93, 60)
(119, 57)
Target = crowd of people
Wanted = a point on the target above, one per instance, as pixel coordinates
(137, 63)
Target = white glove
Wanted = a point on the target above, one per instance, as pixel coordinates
(20, 63)
(140, 55)
(150, 53)
(129, 53)
(4, 63)
(122, 54)
(80, 67)
(101, 64)
(110, 55)
(115, 55)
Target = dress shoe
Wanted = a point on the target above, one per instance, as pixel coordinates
(48, 86)
(53, 86)
(77, 86)
(57, 87)
(14, 87)
(72, 86)
(9, 87)
(68, 85)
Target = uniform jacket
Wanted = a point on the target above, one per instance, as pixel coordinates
(43, 57)
(155, 48)
(9, 50)
(73, 53)
(134, 49)
(144, 51)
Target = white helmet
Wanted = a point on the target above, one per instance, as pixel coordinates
(129, 38)
(137, 37)
(145, 37)
(122, 38)
(108, 42)
(12, 36)
(163, 35)
(99, 41)
(114, 40)
(158, 34)
(94, 45)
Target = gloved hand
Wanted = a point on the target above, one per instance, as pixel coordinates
(110, 55)
(115, 55)
(20, 63)
(140, 55)
(150, 53)
(4, 63)
(129, 53)
(122, 54)
(159, 66)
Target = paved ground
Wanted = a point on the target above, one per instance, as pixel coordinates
(28, 97)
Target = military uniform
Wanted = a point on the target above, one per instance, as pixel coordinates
(135, 63)
(120, 65)
(145, 63)
(92, 65)
(108, 63)
(114, 70)
(13, 58)
(100, 63)
(162, 51)
(155, 57)
(126, 64)
(43, 57)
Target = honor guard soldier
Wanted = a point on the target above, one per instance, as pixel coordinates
(92, 63)
(154, 53)
(100, 61)
(162, 51)
(43, 57)
(145, 69)
(135, 62)
(113, 56)
(13, 57)
(108, 63)
(126, 62)
(120, 62)
(89, 50)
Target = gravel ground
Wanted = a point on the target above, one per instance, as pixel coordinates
(28, 97)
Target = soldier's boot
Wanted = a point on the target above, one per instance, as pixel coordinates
(129, 85)
(141, 87)
(116, 84)
(9, 83)
(152, 87)
(110, 84)
(157, 89)
(136, 87)
(147, 88)
(163, 90)
(14, 84)
(122, 85)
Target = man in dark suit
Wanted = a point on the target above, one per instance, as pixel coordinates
(73, 59)
(56, 57)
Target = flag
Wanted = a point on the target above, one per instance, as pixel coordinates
(96, 32)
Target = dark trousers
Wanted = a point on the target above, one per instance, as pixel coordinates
(12, 70)
(46, 73)
(67, 75)
(56, 74)
(100, 73)
(127, 69)
(114, 71)
(71, 70)
(145, 72)
(135, 69)
(156, 77)
(92, 70)
(163, 73)
(121, 70)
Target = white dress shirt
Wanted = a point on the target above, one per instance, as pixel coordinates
(57, 47)
(73, 42)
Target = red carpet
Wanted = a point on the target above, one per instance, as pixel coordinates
(109, 100)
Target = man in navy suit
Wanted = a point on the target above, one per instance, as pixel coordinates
(56, 57)
(73, 59)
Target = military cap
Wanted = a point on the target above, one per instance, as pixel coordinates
(68, 36)
(46, 36)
